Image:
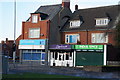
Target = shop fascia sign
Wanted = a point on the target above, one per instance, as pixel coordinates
(33, 42)
(60, 47)
(31, 46)
(88, 47)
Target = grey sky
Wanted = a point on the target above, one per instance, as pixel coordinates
(25, 7)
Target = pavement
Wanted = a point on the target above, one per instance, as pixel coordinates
(69, 71)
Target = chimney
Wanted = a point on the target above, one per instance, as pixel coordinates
(76, 7)
(2, 42)
(66, 3)
(6, 39)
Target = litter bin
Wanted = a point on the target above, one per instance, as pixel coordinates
(4, 64)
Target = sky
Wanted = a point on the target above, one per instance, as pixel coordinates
(25, 7)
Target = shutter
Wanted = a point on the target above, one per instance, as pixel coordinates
(89, 58)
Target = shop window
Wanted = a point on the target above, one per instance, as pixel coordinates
(26, 56)
(56, 55)
(53, 54)
(72, 38)
(70, 54)
(63, 56)
(36, 56)
(34, 50)
(34, 18)
(67, 56)
(99, 38)
(33, 55)
(39, 50)
(43, 56)
(60, 57)
(34, 33)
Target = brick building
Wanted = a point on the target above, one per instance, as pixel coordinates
(7, 47)
(92, 26)
(88, 38)
(55, 35)
(41, 29)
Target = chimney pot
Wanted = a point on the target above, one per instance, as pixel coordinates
(76, 7)
(6, 39)
(66, 3)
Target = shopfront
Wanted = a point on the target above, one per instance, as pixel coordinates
(32, 50)
(90, 55)
(61, 55)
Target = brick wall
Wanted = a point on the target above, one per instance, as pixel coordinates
(41, 24)
(85, 37)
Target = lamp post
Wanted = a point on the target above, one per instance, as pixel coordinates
(14, 50)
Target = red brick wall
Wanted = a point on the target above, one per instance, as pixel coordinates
(83, 36)
(7, 47)
(41, 24)
(84, 40)
(17, 44)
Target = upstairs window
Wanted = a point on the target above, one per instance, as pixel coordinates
(34, 33)
(34, 18)
(72, 38)
(75, 24)
(102, 21)
(99, 38)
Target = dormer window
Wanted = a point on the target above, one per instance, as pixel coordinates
(75, 24)
(34, 18)
(102, 21)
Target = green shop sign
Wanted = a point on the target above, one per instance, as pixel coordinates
(92, 47)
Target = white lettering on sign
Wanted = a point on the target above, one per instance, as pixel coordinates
(31, 46)
(61, 46)
(83, 46)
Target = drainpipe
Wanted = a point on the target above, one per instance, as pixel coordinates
(87, 36)
(47, 41)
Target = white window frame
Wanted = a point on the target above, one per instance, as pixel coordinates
(96, 37)
(102, 21)
(75, 23)
(66, 37)
(32, 35)
(34, 18)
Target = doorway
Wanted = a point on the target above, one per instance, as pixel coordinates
(61, 58)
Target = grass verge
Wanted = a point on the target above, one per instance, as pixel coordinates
(37, 76)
